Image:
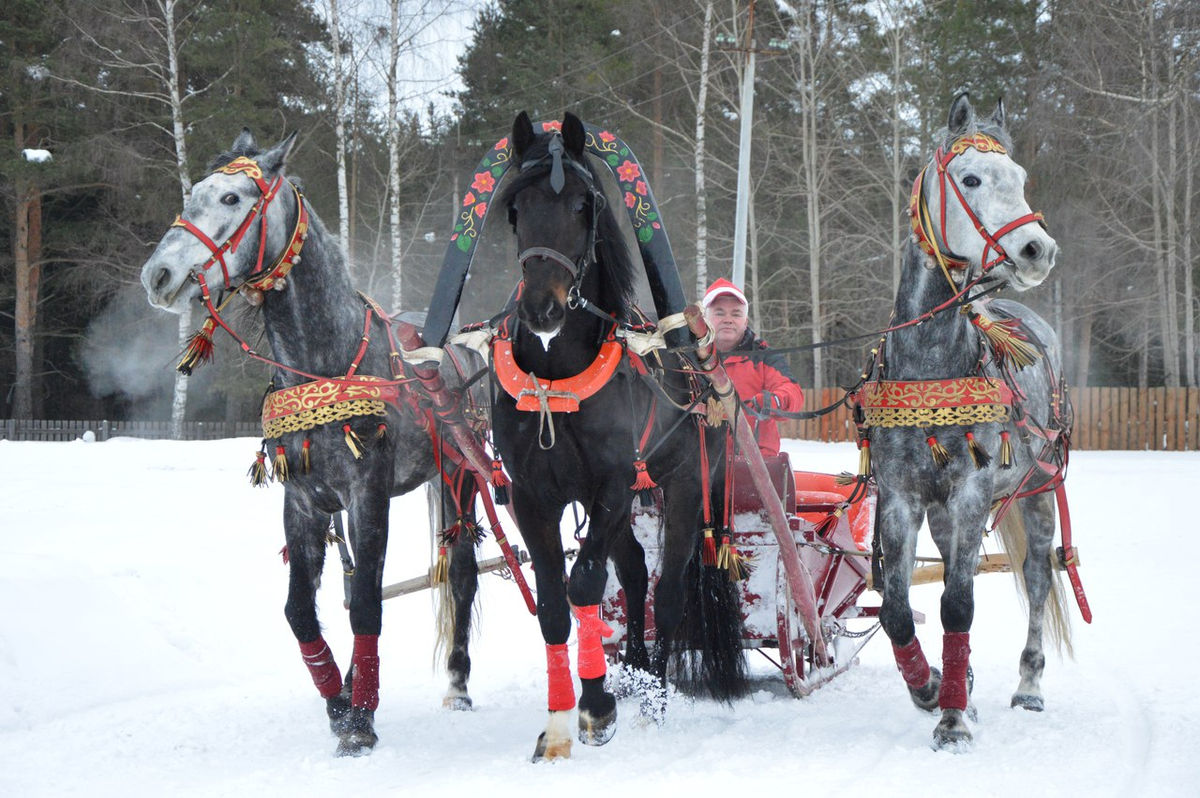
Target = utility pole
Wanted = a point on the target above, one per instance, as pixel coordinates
(746, 118)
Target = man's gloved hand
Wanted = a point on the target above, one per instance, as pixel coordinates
(763, 405)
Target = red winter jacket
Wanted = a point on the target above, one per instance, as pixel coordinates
(765, 372)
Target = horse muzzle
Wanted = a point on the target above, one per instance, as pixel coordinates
(167, 289)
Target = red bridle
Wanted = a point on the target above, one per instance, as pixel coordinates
(267, 193)
(919, 210)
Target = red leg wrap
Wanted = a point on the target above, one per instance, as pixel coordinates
(956, 651)
(366, 672)
(591, 631)
(558, 674)
(910, 659)
(321, 667)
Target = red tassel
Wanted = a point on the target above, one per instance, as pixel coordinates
(258, 470)
(381, 431)
(283, 553)
(708, 552)
(642, 480)
(500, 482)
(280, 465)
(825, 526)
(305, 457)
(199, 349)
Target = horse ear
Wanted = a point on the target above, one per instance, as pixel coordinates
(274, 159)
(574, 136)
(999, 116)
(244, 142)
(522, 135)
(961, 115)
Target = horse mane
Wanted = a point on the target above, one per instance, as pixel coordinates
(618, 273)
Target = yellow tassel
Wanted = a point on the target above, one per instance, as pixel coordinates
(258, 470)
(1006, 340)
(864, 457)
(825, 526)
(305, 458)
(732, 560)
(1006, 450)
(441, 569)
(845, 478)
(978, 456)
(199, 349)
(940, 455)
(279, 465)
(353, 441)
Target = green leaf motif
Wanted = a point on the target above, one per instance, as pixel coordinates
(644, 234)
(464, 243)
(613, 160)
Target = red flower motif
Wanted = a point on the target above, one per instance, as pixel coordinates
(502, 144)
(606, 137)
(469, 199)
(630, 199)
(640, 187)
(548, 126)
(481, 209)
(628, 172)
(484, 182)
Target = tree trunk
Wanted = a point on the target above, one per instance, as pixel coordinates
(339, 125)
(1083, 351)
(811, 167)
(27, 257)
(393, 144)
(178, 128)
(701, 197)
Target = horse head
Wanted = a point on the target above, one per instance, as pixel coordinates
(230, 225)
(557, 209)
(969, 203)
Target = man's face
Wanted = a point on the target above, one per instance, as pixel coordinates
(727, 318)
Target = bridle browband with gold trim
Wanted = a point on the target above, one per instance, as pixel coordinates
(922, 226)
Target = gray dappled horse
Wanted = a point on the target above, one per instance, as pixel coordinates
(972, 227)
(248, 229)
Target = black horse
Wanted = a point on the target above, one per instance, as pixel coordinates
(347, 435)
(956, 423)
(575, 421)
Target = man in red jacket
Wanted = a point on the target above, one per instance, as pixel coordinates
(764, 382)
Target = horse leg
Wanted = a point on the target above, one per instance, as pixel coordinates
(464, 582)
(304, 533)
(585, 589)
(539, 530)
(368, 511)
(957, 529)
(629, 560)
(1037, 517)
(897, 521)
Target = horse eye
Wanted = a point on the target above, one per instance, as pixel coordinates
(230, 199)
(971, 181)
(579, 205)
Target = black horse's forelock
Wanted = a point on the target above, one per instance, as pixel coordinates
(619, 278)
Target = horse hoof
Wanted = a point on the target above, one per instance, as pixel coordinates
(925, 697)
(597, 729)
(1034, 703)
(458, 703)
(951, 733)
(338, 709)
(358, 735)
(546, 751)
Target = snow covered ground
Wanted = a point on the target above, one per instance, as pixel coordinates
(143, 651)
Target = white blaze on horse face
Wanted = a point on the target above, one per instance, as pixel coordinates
(217, 206)
(547, 337)
(994, 187)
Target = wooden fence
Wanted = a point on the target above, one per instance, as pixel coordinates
(17, 429)
(1165, 419)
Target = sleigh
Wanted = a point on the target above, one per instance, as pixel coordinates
(831, 537)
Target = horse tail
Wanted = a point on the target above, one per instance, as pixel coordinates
(707, 654)
(443, 597)
(1056, 620)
